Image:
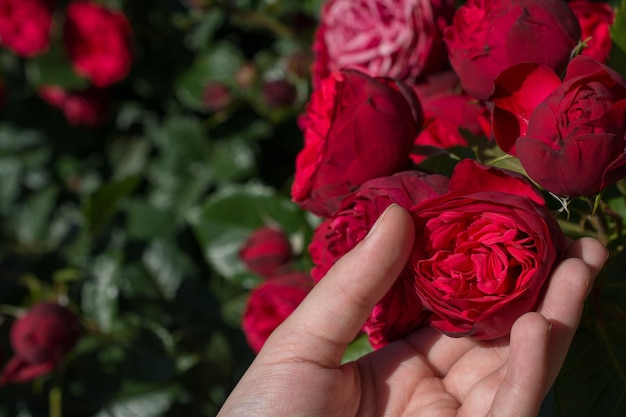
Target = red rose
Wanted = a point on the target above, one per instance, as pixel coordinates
(383, 39)
(570, 138)
(595, 19)
(488, 36)
(446, 112)
(355, 128)
(483, 251)
(271, 303)
(216, 97)
(400, 311)
(40, 339)
(25, 26)
(98, 42)
(83, 108)
(265, 251)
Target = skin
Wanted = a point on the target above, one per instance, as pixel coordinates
(299, 372)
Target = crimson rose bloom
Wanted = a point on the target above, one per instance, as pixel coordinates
(568, 136)
(446, 112)
(355, 128)
(40, 339)
(488, 36)
(401, 39)
(265, 251)
(271, 303)
(400, 311)
(595, 19)
(81, 108)
(483, 251)
(25, 26)
(98, 42)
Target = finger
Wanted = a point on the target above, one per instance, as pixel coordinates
(332, 314)
(523, 387)
(563, 303)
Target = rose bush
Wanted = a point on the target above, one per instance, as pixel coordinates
(265, 251)
(383, 39)
(97, 41)
(356, 127)
(595, 18)
(40, 339)
(25, 26)
(483, 251)
(487, 36)
(569, 136)
(270, 303)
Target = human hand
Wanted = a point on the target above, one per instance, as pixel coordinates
(299, 372)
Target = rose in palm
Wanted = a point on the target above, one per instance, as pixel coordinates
(570, 135)
(400, 311)
(356, 128)
(483, 251)
(487, 36)
(398, 39)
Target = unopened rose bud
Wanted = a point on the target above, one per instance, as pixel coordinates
(265, 251)
(279, 93)
(216, 97)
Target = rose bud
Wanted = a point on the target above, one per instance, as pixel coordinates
(483, 251)
(271, 303)
(40, 340)
(97, 41)
(278, 93)
(401, 40)
(265, 251)
(569, 136)
(488, 36)
(447, 111)
(400, 311)
(595, 20)
(355, 128)
(81, 108)
(25, 26)
(216, 97)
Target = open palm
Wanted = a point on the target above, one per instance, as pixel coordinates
(299, 373)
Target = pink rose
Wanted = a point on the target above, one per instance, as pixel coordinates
(355, 128)
(483, 251)
(569, 136)
(488, 36)
(266, 251)
(81, 108)
(383, 39)
(25, 26)
(40, 340)
(400, 311)
(595, 20)
(98, 42)
(271, 303)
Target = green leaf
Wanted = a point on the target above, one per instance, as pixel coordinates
(103, 204)
(151, 404)
(357, 348)
(100, 293)
(167, 265)
(227, 218)
(32, 220)
(618, 36)
(232, 160)
(54, 68)
(202, 34)
(145, 221)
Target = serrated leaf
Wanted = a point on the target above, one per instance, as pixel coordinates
(167, 266)
(103, 204)
(151, 404)
(226, 219)
(100, 293)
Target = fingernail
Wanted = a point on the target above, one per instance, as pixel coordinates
(380, 219)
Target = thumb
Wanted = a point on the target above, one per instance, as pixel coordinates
(334, 311)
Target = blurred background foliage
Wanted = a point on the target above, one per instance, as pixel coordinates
(135, 223)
